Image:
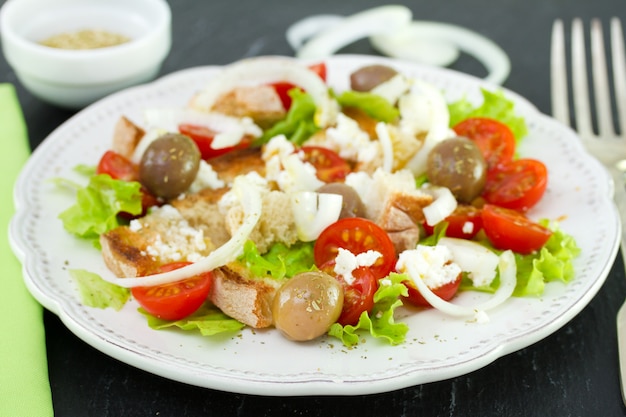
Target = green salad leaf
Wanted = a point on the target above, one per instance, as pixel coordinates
(380, 323)
(496, 106)
(97, 206)
(299, 124)
(209, 320)
(373, 105)
(98, 293)
(554, 262)
(281, 261)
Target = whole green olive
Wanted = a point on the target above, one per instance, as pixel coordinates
(368, 77)
(458, 164)
(307, 305)
(352, 205)
(169, 165)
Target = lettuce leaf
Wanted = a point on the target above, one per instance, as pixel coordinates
(98, 293)
(372, 104)
(97, 206)
(380, 323)
(299, 124)
(280, 261)
(496, 106)
(554, 262)
(209, 320)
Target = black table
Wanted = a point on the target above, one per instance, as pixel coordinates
(573, 372)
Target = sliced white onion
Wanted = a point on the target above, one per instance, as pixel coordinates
(250, 196)
(382, 19)
(313, 212)
(303, 30)
(386, 144)
(508, 273)
(442, 206)
(265, 70)
(439, 120)
(479, 262)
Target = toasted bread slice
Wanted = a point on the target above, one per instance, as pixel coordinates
(244, 297)
(261, 103)
(126, 136)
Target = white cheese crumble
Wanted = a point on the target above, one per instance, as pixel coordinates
(346, 262)
(205, 178)
(433, 264)
(468, 227)
(187, 243)
(351, 142)
(287, 168)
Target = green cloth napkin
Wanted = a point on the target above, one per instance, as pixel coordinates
(24, 385)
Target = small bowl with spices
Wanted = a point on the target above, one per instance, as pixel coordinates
(71, 53)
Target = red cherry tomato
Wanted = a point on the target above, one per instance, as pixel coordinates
(445, 292)
(510, 229)
(329, 165)
(117, 167)
(517, 185)
(319, 69)
(358, 296)
(494, 139)
(282, 87)
(464, 223)
(177, 300)
(357, 235)
(204, 136)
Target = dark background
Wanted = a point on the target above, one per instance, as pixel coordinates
(573, 372)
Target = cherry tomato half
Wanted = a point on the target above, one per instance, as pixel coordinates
(203, 136)
(330, 167)
(445, 292)
(517, 185)
(494, 139)
(510, 229)
(177, 300)
(358, 296)
(357, 235)
(282, 87)
(117, 167)
(464, 222)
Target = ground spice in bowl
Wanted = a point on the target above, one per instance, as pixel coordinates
(85, 39)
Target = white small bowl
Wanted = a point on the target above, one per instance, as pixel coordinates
(76, 78)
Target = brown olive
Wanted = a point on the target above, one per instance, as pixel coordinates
(352, 205)
(457, 164)
(366, 78)
(307, 305)
(169, 165)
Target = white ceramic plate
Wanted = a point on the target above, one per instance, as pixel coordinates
(263, 362)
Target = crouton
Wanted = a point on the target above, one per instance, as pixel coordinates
(261, 103)
(126, 136)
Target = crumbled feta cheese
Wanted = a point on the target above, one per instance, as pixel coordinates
(135, 225)
(206, 178)
(392, 89)
(287, 168)
(350, 142)
(186, 243)
(433, 264)
(468, 227)
(346, 262)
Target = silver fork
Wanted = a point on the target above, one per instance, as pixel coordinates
(607, 146)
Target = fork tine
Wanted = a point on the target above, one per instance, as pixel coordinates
(558, 74)
(619, 72)
(601, 82)
(580, 86)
